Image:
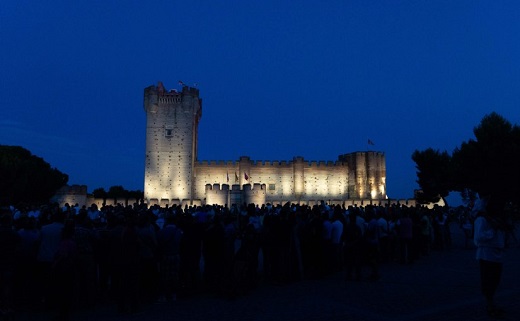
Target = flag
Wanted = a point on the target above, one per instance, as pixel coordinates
(227, 176)
(245, 176)
(236, 177)
(370, 142)
(181, 83)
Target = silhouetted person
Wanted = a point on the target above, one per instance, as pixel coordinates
(26, 271)
(85, 237)
(149, 273)
(169, 243)
(64, 271)
(336, 239)
(404, 233)
(51, 236)
(213, 247)
(490, 230)
(190, 253)
(9, 245)
(353, 239)
(125, 259)
(372, 244)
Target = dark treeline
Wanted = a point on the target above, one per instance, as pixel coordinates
(25, 177)
(117, 192)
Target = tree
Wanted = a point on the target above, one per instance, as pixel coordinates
(99, 193)
(489, 164)
(433, 174)
(27, 178)
(117, 192)
(138, 195)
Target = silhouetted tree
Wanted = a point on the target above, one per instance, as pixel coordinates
(487, 165)
(434, 173)
(137, 195)
(27, 178)
(116, 192)
(100, 193)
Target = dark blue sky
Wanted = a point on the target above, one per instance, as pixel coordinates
(278, 78)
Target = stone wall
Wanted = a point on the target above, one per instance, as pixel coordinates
(298, 181)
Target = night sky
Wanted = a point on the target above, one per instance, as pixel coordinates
(278, 79)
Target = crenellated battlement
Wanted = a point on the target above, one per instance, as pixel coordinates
(217, 187)
(216, 163)
(191, 91)
(160, 95)
(267, 164)
(271, 163)
(324, 164)
(255, 193)
(254, 187)
(169, 99)
(342, 157)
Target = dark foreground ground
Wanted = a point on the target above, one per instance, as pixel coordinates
(442, 286)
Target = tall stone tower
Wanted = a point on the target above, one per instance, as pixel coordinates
(172, 120)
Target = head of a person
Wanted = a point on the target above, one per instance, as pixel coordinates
(494, 207)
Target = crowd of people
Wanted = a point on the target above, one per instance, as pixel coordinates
(64, 257)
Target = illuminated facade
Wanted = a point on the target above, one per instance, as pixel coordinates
(173, 174)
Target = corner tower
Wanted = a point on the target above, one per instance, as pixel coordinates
(172, 120)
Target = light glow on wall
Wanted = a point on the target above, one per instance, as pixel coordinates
(286, 184)
(361, 191)
(321, 187)
(152, 188)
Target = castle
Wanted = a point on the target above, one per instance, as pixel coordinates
(174, 175)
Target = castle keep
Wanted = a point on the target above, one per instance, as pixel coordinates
(174, 175)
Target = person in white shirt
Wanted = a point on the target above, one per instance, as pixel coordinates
(93, 213)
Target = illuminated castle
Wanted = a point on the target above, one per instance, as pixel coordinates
(174, 175)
